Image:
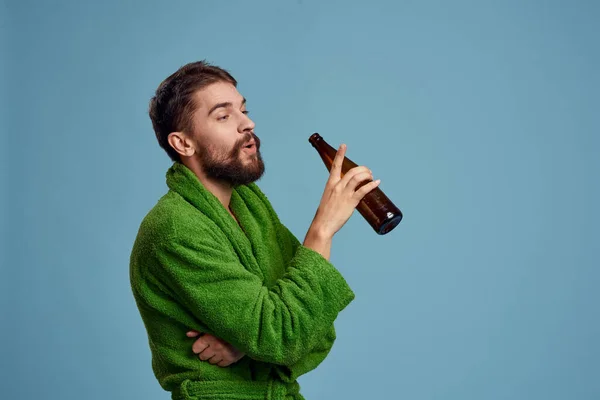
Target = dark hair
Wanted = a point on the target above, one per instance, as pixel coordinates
(172, 106)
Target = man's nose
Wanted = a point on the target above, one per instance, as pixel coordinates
(246, 124)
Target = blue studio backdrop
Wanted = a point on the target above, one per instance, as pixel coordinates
(480, 118)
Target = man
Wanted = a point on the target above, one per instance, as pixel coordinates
(233, 304)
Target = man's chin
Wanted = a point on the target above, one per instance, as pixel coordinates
(247, 169)
(254, 176)
(240, 179)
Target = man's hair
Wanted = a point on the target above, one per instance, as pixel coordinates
(172, 106)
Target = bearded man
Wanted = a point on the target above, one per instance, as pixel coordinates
(234, 306)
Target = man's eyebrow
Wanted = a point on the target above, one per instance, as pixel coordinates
(219, 105)
(222, 105)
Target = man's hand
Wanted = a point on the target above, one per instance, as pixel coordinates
(342, 195)
(214, 350)
(339, 200)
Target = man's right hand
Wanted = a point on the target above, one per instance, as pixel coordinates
(338, 202)
(341, 195)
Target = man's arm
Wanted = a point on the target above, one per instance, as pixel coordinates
(284, 323)
(216, 351)
(279, 324)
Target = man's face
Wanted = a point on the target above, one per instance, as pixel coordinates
(227, 148)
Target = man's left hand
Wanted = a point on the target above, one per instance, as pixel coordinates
(214, 350)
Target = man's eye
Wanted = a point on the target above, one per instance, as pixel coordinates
(223, 118)
(245, 112)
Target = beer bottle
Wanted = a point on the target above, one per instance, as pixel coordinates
(375, 207)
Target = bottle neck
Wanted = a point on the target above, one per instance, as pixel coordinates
(321, 145)
(315, 140)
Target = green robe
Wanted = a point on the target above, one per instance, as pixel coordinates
(252, 284)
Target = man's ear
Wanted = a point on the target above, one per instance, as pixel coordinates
(182, 144)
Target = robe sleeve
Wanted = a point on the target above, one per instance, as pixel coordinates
(313, 358)
(281, 324)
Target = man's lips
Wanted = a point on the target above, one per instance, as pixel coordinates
(250, 147)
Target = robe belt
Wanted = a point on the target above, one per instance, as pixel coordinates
(235, 390)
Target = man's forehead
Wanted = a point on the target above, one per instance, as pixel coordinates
(219, 92)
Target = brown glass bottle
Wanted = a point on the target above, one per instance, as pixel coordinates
(375, 207)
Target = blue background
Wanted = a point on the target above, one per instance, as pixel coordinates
(480, 117)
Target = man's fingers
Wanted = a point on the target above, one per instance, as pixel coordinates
(357, 180)
(360, 193)
(227, 361)
(357, 173)
(336, 168)
(192, 333)
(200, 345)
(215, 360)
(224, 363)
(206, 354)
(214, 350)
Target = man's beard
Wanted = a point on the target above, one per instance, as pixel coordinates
(230, 167)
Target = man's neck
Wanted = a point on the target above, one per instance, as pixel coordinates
(220, 189)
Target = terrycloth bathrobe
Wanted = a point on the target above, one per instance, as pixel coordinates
(252, 284)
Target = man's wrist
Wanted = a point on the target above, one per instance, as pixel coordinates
(319, 240)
